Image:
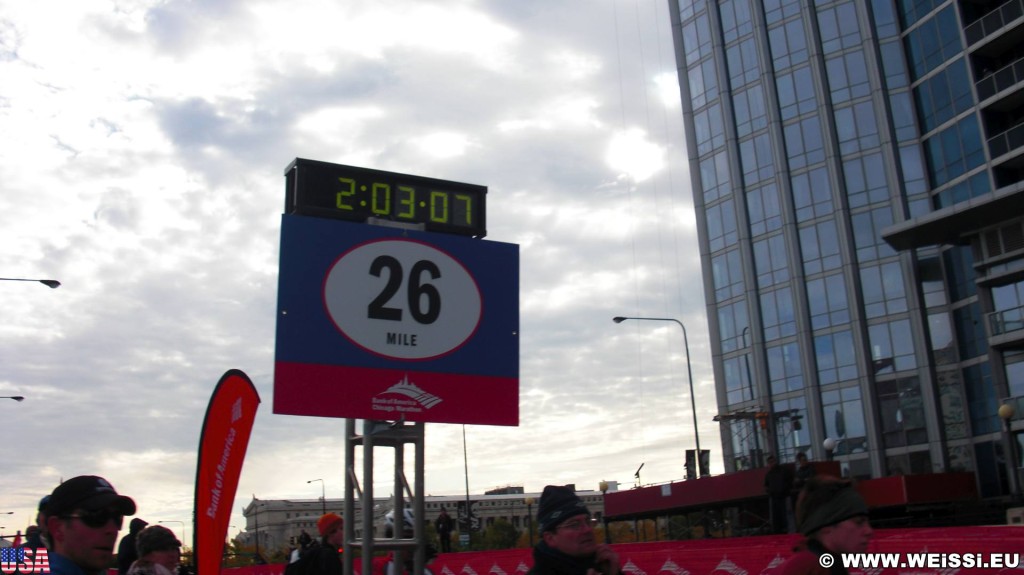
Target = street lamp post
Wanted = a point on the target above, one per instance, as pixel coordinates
(1006, 413)
(529, 516)
(830, 447)
(52, 284)
(689, 371)
(182, 528)
(14, 397)
(323, 494)
(603, 486)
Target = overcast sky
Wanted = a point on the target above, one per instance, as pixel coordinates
(141, 159)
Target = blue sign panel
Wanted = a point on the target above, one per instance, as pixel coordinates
(383, 323)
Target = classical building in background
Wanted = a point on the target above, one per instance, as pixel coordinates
(858, 177)
(278, 522)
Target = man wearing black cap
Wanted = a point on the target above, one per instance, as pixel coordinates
(568, 545)
(834, 518)
(83, 517)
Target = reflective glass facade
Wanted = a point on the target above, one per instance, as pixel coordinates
(858, 177)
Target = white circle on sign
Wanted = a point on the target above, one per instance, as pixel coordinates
(402, 299)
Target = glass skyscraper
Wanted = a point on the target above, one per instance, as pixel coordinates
(858, 177)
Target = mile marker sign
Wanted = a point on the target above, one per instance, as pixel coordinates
(382, 323)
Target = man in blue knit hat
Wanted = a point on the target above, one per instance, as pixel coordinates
(568, 545)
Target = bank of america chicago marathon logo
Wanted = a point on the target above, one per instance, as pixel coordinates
(417, 402)
(25, 561)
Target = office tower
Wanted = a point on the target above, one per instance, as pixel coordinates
(858, 177)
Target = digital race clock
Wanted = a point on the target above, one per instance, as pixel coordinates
(322, 189)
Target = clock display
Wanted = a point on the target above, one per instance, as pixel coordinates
(337, 191)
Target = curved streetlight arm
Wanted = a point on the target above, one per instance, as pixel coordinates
(52, 284)
(323, 494)
(689, 372)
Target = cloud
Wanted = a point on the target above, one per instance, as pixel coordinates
(142, 166)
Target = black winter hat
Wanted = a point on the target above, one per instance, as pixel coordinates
(558, 503)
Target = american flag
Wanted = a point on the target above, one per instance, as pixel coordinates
(10, 557)
(26, 560)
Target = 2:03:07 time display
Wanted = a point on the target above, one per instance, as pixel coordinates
(406, 203)
(350, 193)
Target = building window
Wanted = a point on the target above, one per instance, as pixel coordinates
(828, 302)
(777, 317)
(944, 96)
(981, 399)
(819, 247)
(867, 234)
(764, 210)
(913, 10)
(776, 10)
(732, 321)
(838, 27)
(727, 271)
(714, 177)
(970, 331)
(940, 336)
(771, 261)
(788, 44)
(812, 194)
(750, 110)
(703, 84)
(797, 95)
(973, 187)
(790, 429)
(709, 128)
(696, 39)
(929, 273)
(933, 42)
(892, 347)
(901, 409)
(894, 65)
(836, 357)
(844, 419)
(912, 163)
(737, 382)
(857, 128)
(885, 18)
(784, 368)
(865, 180)
(736, 19)
(913, 463)
(952, 403)
(883, 289)
(960, 272)
(756, 159)
(721, 221)
(804, 144)
(902, 116)
(1015, 373)
(743, 63)
(954, 151)
(848, 77)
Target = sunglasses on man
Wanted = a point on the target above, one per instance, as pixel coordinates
(97, 518)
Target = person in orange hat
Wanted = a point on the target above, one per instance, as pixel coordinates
(325, 559)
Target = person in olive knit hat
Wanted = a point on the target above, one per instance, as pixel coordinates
(834, 518)
(568, 545)
(159, 552)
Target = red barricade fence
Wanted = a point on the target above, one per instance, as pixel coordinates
(733, 556)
